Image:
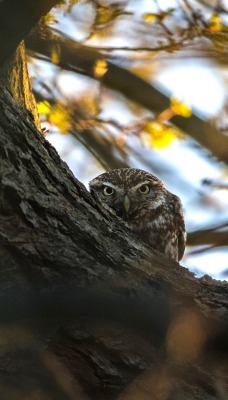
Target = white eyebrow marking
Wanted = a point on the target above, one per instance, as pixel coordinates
(110, 185)
(142, 183)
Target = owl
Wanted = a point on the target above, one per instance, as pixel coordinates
(146, 206)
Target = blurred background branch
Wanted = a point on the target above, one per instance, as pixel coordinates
(76, 57)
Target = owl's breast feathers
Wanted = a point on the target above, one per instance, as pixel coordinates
(165, 227)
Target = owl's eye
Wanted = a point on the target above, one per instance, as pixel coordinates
(108, 191)
(144, 189)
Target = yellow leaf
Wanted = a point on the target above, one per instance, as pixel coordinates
(180, 108)
(215, 23)
(104, 14)
(100, 68)
(149, 17)
(49, 19)
(157, 135)
(60, 117)
(43, 107)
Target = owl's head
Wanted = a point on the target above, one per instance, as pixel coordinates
(128, 190)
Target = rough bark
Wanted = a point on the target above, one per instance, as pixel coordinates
(14, 77)
(87, 310)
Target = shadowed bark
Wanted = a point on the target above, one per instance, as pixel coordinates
(17, 18)
(99, 299)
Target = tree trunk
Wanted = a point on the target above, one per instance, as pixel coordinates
(93, 295)
(87, 310)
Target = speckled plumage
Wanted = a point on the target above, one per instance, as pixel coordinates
(155, 216)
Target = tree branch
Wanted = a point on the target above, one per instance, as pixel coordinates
(17, 18)
(216, 236)
(47, 221)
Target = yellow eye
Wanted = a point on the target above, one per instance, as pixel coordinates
(108, 190)
(144, 189)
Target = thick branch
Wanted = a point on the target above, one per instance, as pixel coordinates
(53, 236)
(17, 18)
(61, 228)
(216, 236)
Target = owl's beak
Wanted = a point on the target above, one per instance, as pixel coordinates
(126, 203)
